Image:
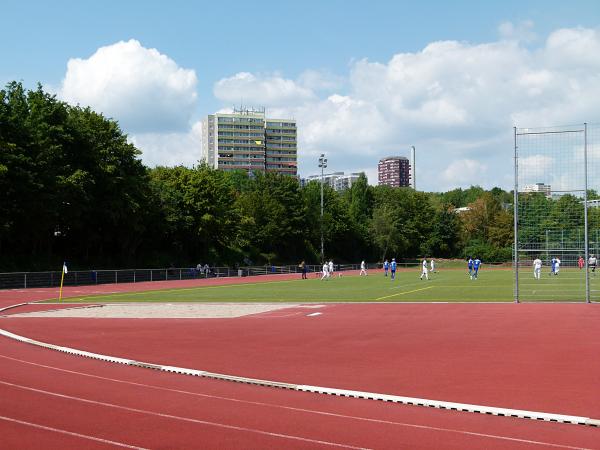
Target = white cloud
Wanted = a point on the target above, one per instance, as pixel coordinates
(455, 101)
(523, 31)
(271, 90)
(170, 149)
(320, 80)
(535, 167)
(144, 90)
(463, 172)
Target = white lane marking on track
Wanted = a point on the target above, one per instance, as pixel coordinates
(70, 433)
(292, 408)
(314, 314)
(181, 418)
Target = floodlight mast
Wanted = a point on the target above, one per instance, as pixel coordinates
(322, 165)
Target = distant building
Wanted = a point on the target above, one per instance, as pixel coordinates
(338, 181)
(546, 189)
(461, 210)
(345, 182)
(592, 203)
(247, 140)
(394, 171)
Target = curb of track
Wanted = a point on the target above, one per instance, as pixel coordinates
(464, 407)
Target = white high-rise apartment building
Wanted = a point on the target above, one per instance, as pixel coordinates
(546, 189)
(247, 140)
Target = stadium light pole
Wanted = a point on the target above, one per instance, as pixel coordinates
(322, 165)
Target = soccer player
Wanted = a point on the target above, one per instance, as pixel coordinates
(470, 266)
(557, 266)
(393, 268)
(537, 268)
(580, 263)
(302, 266)
(432, 265)
(386, 266)
(476, 264)
(552, 266)
(325, 271)
(363, 268)
(330, 267)
(424, 270)
(592, 261)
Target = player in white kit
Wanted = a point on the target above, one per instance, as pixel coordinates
(537, 268)
(424, 270)
(363, 269)
(325, 271)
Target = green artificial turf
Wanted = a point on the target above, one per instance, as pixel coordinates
(447, 285)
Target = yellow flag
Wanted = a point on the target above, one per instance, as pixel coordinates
(258, 142)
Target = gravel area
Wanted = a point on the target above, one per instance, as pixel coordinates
(160, 310)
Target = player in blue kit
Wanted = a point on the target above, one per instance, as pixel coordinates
(553, 266)
(470, 266)
(386, 266)
(476, 264)
(393, 268)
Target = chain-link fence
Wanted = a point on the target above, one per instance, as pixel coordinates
(24, 280)
(557, 212)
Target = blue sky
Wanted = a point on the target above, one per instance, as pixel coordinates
(353, 67)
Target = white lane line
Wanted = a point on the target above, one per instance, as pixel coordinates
(292, 408)
(314, 314)
(70, 433)
(180, 418)
(453, 406)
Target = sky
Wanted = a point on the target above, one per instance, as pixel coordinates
(363, 79)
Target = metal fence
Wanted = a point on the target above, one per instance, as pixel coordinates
(25, 280)
(555, 219)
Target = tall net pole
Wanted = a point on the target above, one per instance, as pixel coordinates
(585, 212)
(516, 219)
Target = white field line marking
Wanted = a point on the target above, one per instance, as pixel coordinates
(180, 418)
(292, 408)
(403, 293)
(314, 314)
(70, 433)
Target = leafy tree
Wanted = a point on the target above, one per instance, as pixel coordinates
(273, 218)
(444, 240)
(198, 208)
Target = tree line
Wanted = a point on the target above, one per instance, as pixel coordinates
(74, 189)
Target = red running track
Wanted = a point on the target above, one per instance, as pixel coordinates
(537, 357)
(543, 358)
(68, 402)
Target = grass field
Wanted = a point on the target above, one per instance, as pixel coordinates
(450, 285)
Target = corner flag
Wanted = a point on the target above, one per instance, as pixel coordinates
(62, 279)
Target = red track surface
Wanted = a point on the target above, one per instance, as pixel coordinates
(538, 357)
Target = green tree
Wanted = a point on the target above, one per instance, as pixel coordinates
(198, 205)
(274, 218)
